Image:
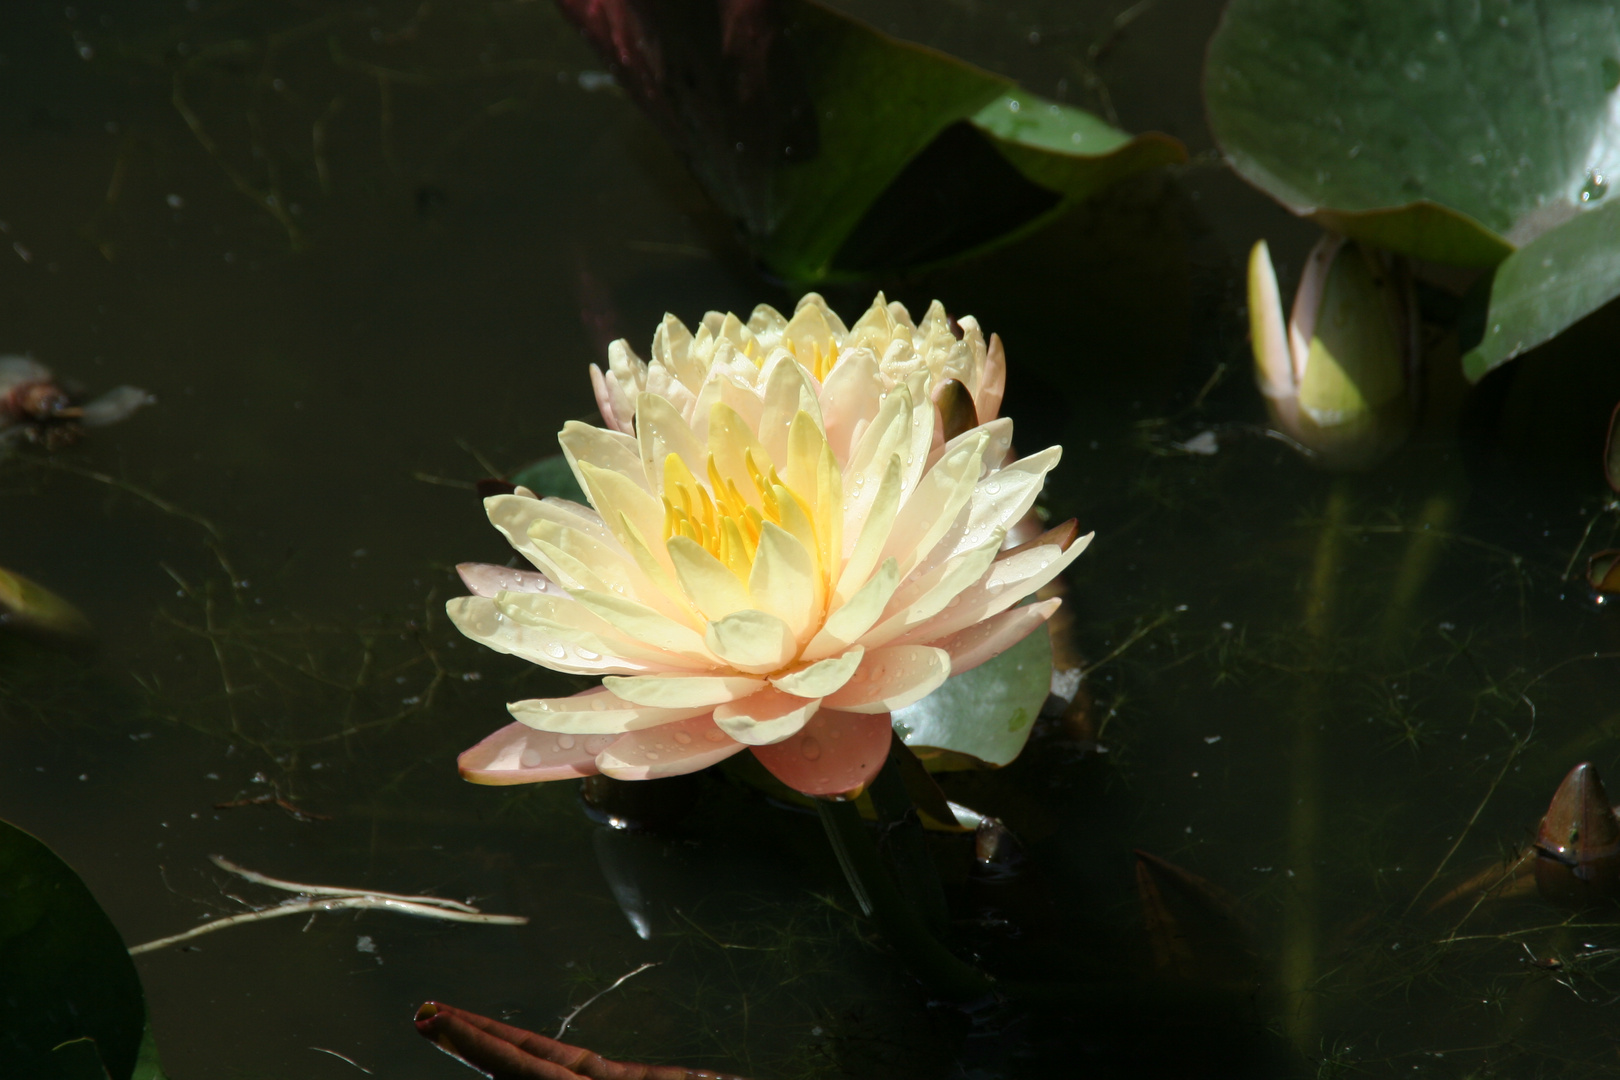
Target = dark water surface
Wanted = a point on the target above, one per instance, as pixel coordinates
(363, 254)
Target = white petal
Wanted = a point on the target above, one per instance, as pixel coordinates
(1006, 495)
(849, 399)
(548, 646)
(751, 641)
(932, 508)
(682, 691)
(892, 678)
(822, 677)
(660, 432)
(596, 711)
(612, 450)
(766, 717)
(483, 579)
(684, 746)
(920, 599)
(856, 615)
(1009, 580)
(782, 581)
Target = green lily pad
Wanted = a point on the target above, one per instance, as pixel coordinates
(550, 477)
(1465, 134)
(986, 713)
(70, 1000)
(1548, 285)
(841, 152)
(1447, 132)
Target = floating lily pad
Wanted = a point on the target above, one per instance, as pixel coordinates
(1549, 285)
(70, 999)
(840, 151)
(1454, 133)
(986, 713)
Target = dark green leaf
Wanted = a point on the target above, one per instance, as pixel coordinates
(550, 476)
(1438, 130)
(64, 972)
(1548, 285)
(840, 151)
(986, 713)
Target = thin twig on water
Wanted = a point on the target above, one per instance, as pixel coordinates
(314, 899)
(620, 981)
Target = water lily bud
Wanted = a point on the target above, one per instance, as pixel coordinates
(1339, 379)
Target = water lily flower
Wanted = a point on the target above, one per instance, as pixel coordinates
(1340, 378)
(772, 561)
(731, 361)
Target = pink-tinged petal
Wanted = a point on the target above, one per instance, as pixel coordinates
(486, 579)
(849, 399)
(596, 711)
(518, 754)
(836, 753)
(986, 640)
(766, 717)
(993, 384)
(891, 678)
(604, 402)
(667, 750)
(1012, 577)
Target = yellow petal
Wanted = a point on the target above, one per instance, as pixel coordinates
(642, 623)
(788, 393)
(713, 589)
(764, 718)
(682, 691)
(730, 441)
(821, 678)
(782, 581)
(892, 678)
(621, 501)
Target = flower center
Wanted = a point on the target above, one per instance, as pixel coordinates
(718, 516)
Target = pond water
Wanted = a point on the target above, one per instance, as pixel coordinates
(1335, 698)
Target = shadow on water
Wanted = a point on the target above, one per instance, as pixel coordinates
(362, 255)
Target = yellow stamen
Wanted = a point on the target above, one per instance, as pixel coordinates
(717, 517)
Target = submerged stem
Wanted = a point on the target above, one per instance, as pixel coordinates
(875, 890)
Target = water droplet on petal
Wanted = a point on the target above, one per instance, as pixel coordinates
(586, 654)
(555, 650)
(650, 755)
(530, 757)
(565, 742)
(715, 735)
(992, 488)
(682, 737)
(810, 748)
